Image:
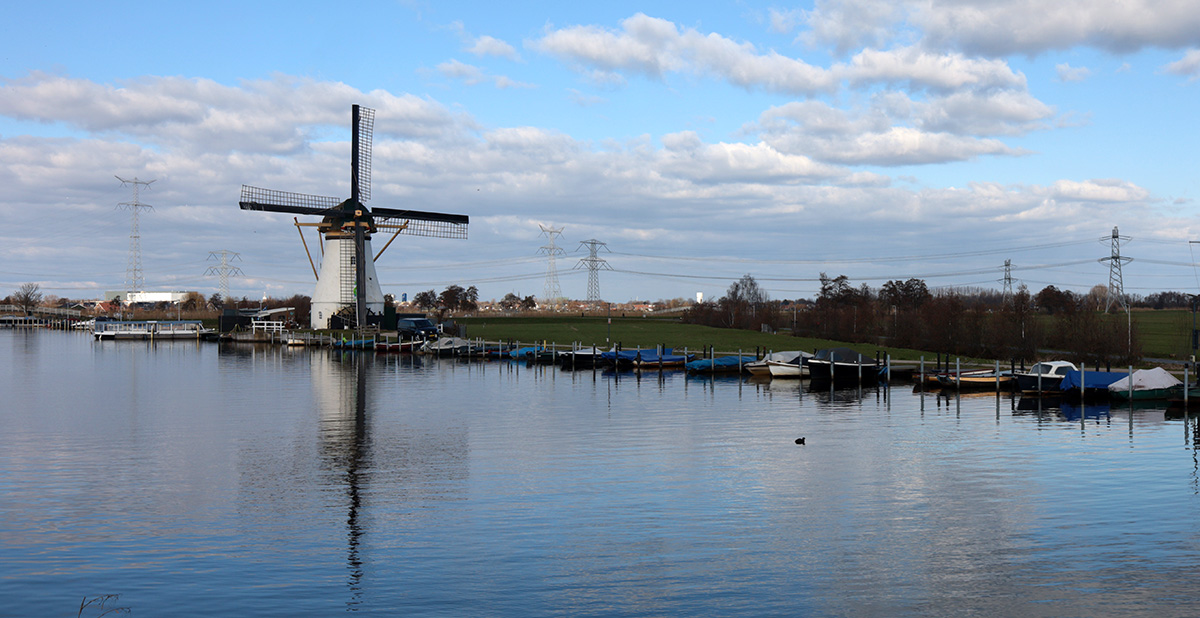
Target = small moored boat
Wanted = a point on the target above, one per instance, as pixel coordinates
(1044, 377)
(1146, 384)
(843, 365)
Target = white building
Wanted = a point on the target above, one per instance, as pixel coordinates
(146, 297)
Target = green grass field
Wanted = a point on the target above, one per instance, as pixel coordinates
(648, 333)
(1163, 334)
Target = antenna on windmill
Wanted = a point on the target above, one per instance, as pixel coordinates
(347, 277)
(134, 280)
(552, 291)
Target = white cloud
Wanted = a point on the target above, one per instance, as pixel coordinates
(1004, 112)
(895, 130)
(783, 21)
(1068, 73)
(466, 73)
(1002, 27)
(1102, 190)
(262, 116)
(654, 47)
(924, 69)
(685, 156)
(491, 46)
(853, 24)
(1187, 66)
(472, 75)
(1031, 26)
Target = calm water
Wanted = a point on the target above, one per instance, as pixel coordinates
(193, 479)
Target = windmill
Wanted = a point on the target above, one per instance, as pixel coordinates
(347, 277)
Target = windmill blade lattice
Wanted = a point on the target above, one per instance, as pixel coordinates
(363, 136)
(255, 198)
(421, 223)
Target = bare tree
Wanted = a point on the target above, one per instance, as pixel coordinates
(425, 300)
(27, 297)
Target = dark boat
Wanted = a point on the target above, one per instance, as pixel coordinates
(844, 365)
(1050, 372)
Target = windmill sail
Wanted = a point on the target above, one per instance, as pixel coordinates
(364, 131)
(255, 198)
(420, 223)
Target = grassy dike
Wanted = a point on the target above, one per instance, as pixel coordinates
(1163, 334)
(649, 332)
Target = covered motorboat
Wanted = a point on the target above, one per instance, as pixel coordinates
(843, 365)
(780, 365)
(1045, 377)
(1154, 383)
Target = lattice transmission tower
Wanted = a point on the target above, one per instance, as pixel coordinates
(1116, 286)
(134, 280)
(1007, 281)
(224, 271)
(553, 292)
(594, 264)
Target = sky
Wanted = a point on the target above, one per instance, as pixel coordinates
(700, 142)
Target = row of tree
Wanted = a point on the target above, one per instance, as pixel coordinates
(965, 322)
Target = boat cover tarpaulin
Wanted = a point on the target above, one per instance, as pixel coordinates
(720, 363)
(843, 355)
(652, 356)
(629, 356)
(526, 352)
(1146, 380)
(793, 356)
(1095, 379)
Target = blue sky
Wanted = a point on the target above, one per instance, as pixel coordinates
(874, 139)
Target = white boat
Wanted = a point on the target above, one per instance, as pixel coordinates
(796, 368)
(780, 365)
(446, 346)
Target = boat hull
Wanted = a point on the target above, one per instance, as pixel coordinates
(821, 369)
(1028, 383)
(786, 370)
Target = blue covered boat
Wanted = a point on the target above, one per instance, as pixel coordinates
(719, 364)
(1089, 383)
(651, 359)
(626, 358)
(526, 353)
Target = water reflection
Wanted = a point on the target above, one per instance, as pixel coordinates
(404, 485)
(340, 388)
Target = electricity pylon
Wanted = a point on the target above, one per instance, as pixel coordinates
(224, 271)
(594, 265)
(552, 291)
(1116, 286)
(134, 280)
(1007, 281)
